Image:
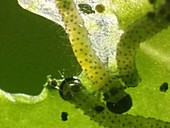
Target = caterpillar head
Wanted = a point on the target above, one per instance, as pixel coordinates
(69, 86)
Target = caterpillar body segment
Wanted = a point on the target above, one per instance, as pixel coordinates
(143, 29)
(71, 90)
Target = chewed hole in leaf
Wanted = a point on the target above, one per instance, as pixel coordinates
(64, 116)
(164, 87)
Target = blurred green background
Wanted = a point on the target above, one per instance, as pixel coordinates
(31, 47)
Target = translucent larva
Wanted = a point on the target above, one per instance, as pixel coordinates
(71, 90)
(95, 70)
(143, 29)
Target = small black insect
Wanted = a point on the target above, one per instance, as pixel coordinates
(64, 116)
(69, 86)
(86, 8)
(164, 87)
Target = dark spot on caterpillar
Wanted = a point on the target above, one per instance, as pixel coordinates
(86, 8)
(123, 105)
(100, 8)
(99, 108)
(64, 116)
(152, 1)
(69, 86)
(164, 87)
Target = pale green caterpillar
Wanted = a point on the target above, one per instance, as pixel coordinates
(95, 70)
(81, 45)
(143, 29)
(71, 90)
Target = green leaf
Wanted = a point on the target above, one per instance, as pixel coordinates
(152, 63)
(153, 67)
(42, 111)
